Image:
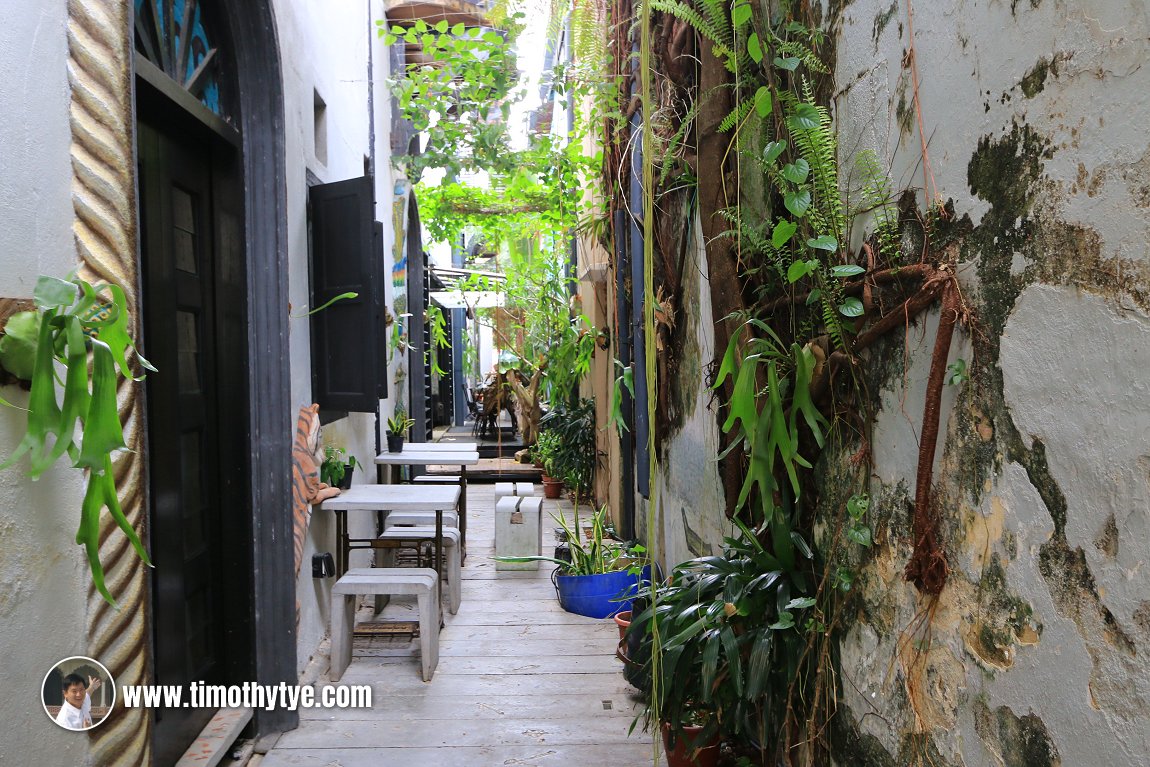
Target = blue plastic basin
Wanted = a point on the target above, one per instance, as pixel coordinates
(598, 596)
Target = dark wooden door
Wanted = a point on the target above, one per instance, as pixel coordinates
(192, 266)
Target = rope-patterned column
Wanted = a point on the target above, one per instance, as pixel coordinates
(103, 198)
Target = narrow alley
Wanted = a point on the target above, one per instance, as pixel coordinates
(520, 681)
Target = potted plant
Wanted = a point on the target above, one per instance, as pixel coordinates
(574, 455)
(601, 576)
(397, 427)
(546, 451)
(337, 467)
(731, 631)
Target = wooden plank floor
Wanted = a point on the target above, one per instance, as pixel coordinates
(520, 682)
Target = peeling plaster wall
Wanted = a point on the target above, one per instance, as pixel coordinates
(325, 49)
(1037, 649)
(693, 522)
(43, 574)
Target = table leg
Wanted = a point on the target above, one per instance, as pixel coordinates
(342, 552)
(439, 562)
(462, 514)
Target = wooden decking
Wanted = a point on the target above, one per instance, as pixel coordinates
(520, 682)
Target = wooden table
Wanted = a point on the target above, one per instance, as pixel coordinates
(424, 453)
(436, 498)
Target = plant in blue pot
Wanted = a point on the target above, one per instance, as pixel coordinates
(603, 574)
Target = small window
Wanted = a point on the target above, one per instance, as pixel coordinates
(319, 135)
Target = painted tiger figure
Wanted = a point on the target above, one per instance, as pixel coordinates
(306, 488)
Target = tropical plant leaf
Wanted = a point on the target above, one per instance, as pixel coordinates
(824, 242)
(797, 171)
(755, 48)
(763, 102)
(798, 202)
(783, 232)
(851, 307)
(772, 151)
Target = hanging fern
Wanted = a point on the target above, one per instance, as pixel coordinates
(736, 115)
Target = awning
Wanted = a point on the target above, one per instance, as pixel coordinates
(433, 11)
(468, 299)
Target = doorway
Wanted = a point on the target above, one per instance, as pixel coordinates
(194, 331)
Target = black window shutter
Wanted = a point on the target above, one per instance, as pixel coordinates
(346, 337)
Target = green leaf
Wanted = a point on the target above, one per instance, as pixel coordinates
(52, 292)
(798, 202)
(790, 63)
(783, 232)
(102, 430)
(801, 603)
(847, 270)
(18, 344)
(797, 171)
(43, 410)
(786, 620)
(852, 307)
(801, 544)
(814, 296)
(441, 26)
(800, 269)
(804, 117)
(860, 534)
(754, 48)
(741, 14)
(857, 505)
(772, 151)
(763, 103)
(389, 39)
(734, 657)
(845, 578)
(824, 242)
(458, 29)
(956, 372)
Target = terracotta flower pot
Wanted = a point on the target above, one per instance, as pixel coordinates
(552, 488)
(623, 620)
(685, 753)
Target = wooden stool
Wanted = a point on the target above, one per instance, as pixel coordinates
(384, 580)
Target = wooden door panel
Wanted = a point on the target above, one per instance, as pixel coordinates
(179, 256)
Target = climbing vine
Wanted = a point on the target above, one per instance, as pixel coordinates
(795, 306)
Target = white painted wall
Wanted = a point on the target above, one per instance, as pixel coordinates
(43, 574)
(325, 50)
(1074, 350)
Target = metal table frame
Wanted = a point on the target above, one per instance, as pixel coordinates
(446, 454)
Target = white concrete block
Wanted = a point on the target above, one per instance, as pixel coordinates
(517, 532)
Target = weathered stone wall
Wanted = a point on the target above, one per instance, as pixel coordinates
(1036, 651)
(692, 521)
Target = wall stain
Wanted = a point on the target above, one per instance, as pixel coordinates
(1016, 741)
(1034, 80)
(881, 21)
